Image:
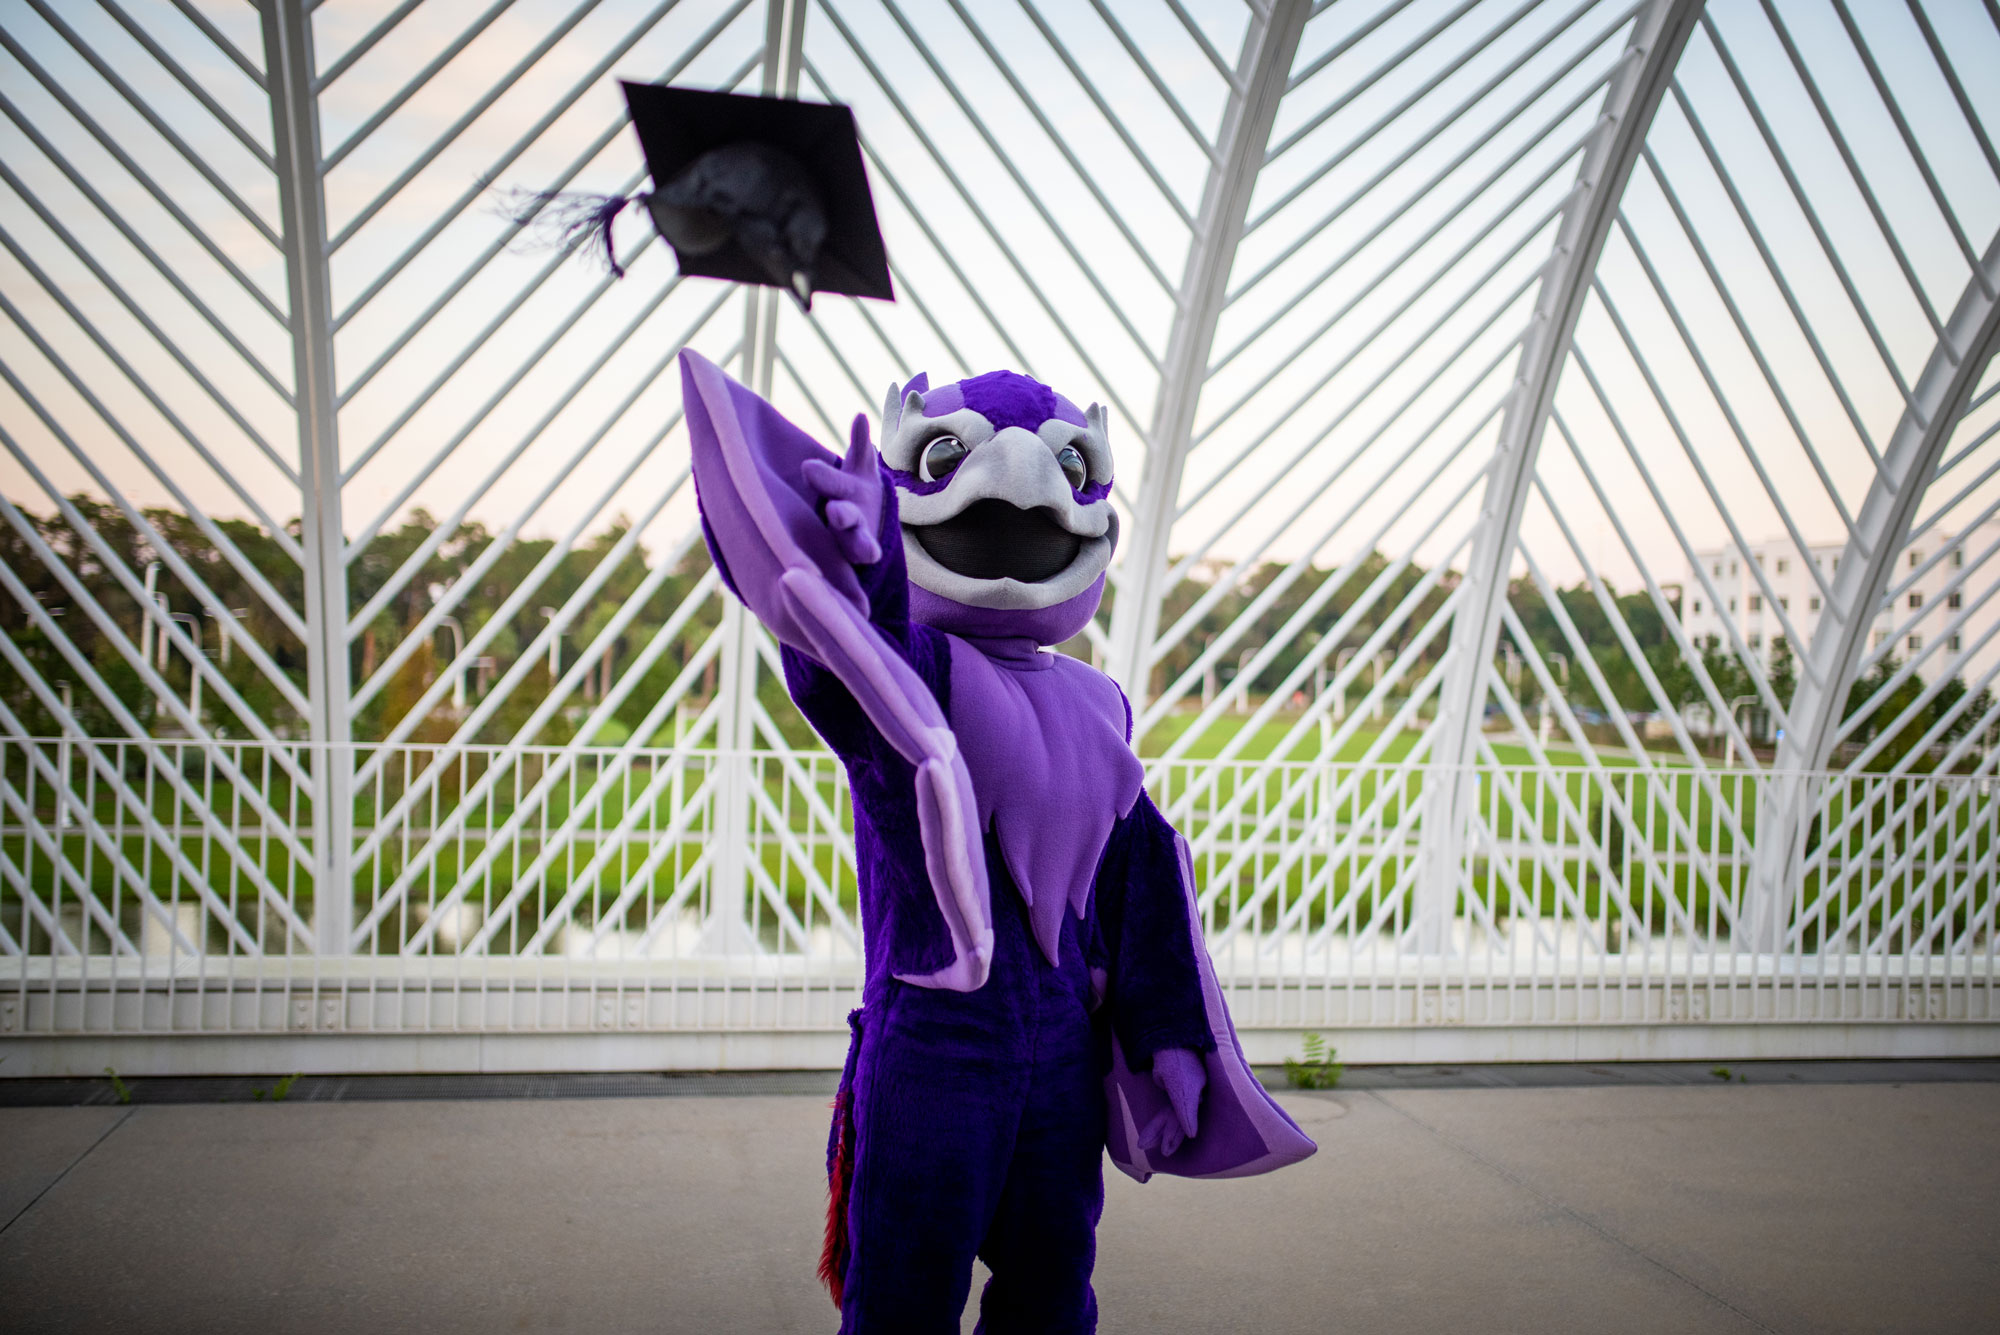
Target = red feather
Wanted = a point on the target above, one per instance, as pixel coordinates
(834, 1255)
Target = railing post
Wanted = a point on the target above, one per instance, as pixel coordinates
(1881, 529)
(726, 930)
(290, 77)
(1262, 72)
(1651, 52)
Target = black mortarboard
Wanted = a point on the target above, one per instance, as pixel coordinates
(761, 190)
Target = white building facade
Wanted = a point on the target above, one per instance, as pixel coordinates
(1937, 611)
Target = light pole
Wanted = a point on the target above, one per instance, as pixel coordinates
(555, 646)
(222, 632)
(1729, 734)
(148, 632)
(63, 757)
(1554, 657)
(193, 624)
(457, 630)
(1339, 662)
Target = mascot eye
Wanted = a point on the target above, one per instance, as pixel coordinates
(941, 457)
(1071, 463)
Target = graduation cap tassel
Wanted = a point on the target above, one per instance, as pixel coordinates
(568, 219)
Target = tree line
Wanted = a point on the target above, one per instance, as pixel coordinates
(105, 554)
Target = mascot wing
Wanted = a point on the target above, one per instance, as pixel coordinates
(1243, 1130)
(776, 552)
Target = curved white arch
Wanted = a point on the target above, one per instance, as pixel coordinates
(1658, 36)
(1262, 72)
(295, 136)
(1882, 527)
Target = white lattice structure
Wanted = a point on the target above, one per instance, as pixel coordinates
(1449, 345)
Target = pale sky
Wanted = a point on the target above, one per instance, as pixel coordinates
(1381, 468)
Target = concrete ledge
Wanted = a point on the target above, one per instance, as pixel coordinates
(1636, 1042)
(822, 1050)
(373, 1054)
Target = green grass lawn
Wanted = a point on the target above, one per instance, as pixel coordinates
(1224, 730)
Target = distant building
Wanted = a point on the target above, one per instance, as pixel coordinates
(1941, 617)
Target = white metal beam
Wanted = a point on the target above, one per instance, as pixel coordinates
(288, 63)
(1262, 70)
(1659, 33)
(1881, 529)
(726, 931)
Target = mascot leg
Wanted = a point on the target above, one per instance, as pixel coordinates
(1042, 1243)
(979, 1124)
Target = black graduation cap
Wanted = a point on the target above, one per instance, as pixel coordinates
(761, 190)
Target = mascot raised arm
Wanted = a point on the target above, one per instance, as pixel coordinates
(1036, 989)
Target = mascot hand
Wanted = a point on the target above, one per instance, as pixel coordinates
(1181, 1076)
(851, 496)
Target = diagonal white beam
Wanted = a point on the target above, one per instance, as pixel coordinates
(727, 931)
(288, 60)
(1263, 68)
(1881, 529)
(1882, 526)
(1659, 33)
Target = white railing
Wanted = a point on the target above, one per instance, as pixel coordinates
(1466, 357)
(170, 888)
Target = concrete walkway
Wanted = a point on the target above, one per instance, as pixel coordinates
(1868, 1208)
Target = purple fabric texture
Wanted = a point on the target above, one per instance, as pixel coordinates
(902, 932)
(1181, 1077)
(853, 496)
(1006, 399)
(915, 485)
(1038, 626)
(979, 1121)
(761, 513)
(1140, 940)
(944, 399)
(1044, 739)
(1031, 946)
(1243, 1130)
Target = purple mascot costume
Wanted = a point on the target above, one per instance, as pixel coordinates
(1036, 989)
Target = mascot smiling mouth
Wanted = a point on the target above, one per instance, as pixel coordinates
(994, 539)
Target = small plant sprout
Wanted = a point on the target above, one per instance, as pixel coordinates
(278, 1092)
(1319, 1070)
(119, 1087)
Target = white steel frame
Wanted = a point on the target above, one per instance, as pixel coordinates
(1651, 53)
(1880, 533)
(1258, 86)
(289, 68)
(1412, 235)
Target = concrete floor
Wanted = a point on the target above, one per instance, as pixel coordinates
(1869, 1208)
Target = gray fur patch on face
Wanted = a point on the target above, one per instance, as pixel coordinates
(1015, 466)
(1089, 441)
(904, 440)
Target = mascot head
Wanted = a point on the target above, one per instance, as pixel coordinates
(1004, 490)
